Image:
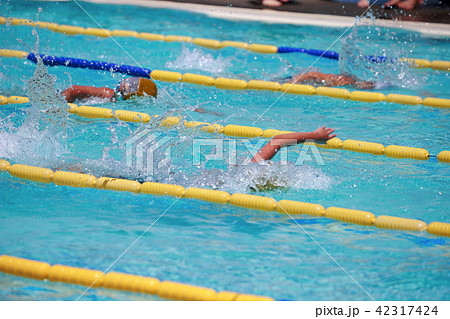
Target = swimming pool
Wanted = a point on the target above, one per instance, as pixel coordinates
(218, 246)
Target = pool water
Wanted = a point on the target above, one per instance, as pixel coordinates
(221, 246)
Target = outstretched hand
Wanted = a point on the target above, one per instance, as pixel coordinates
(324, 133)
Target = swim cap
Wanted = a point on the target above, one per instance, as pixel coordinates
(137, 86)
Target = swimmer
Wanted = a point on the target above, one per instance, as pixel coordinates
(269, 150)
(330, 80)
(126, 89)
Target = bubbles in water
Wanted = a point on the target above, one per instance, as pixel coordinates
(199, 60)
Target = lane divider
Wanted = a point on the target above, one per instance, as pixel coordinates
(230, 84)
(45, 175)
(119, 281)
(392, 151)
(211, 43)
(13, 100)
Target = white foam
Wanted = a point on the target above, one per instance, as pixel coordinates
(243, 178)
(196, 59)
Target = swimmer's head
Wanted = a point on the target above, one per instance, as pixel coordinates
(135, 86)
(268, 186)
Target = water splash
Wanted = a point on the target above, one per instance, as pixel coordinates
(261, 178)
(41, 89)
(199, 60)
(41, 136)
(27, 144)
(366, 41)
(179, 168)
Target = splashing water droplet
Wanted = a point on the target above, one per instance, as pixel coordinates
(361, 52)
(40, 138)
(199, 60)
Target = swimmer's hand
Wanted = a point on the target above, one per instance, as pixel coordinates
(324, 133)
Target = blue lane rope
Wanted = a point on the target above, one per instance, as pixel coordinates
(290, 50)
(50, 60)
(325, 54)
(331, 54)
(321, 53)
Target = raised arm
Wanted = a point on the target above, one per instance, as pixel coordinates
(269, 150)
(82, 92)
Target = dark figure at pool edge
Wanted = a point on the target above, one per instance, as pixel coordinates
(326, 79)
(269, 150)
(126, 89)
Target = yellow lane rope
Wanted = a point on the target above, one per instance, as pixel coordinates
(392, 151)
(120, 281)
(236, 84)
(289, 207)
(208, 43)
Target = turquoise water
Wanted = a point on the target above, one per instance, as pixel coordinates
(218, 246)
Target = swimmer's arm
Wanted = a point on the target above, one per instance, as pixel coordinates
(200, 110)
(329, 79)
(269, 150)
(82, 92)
(316, 77)
(340, 80)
